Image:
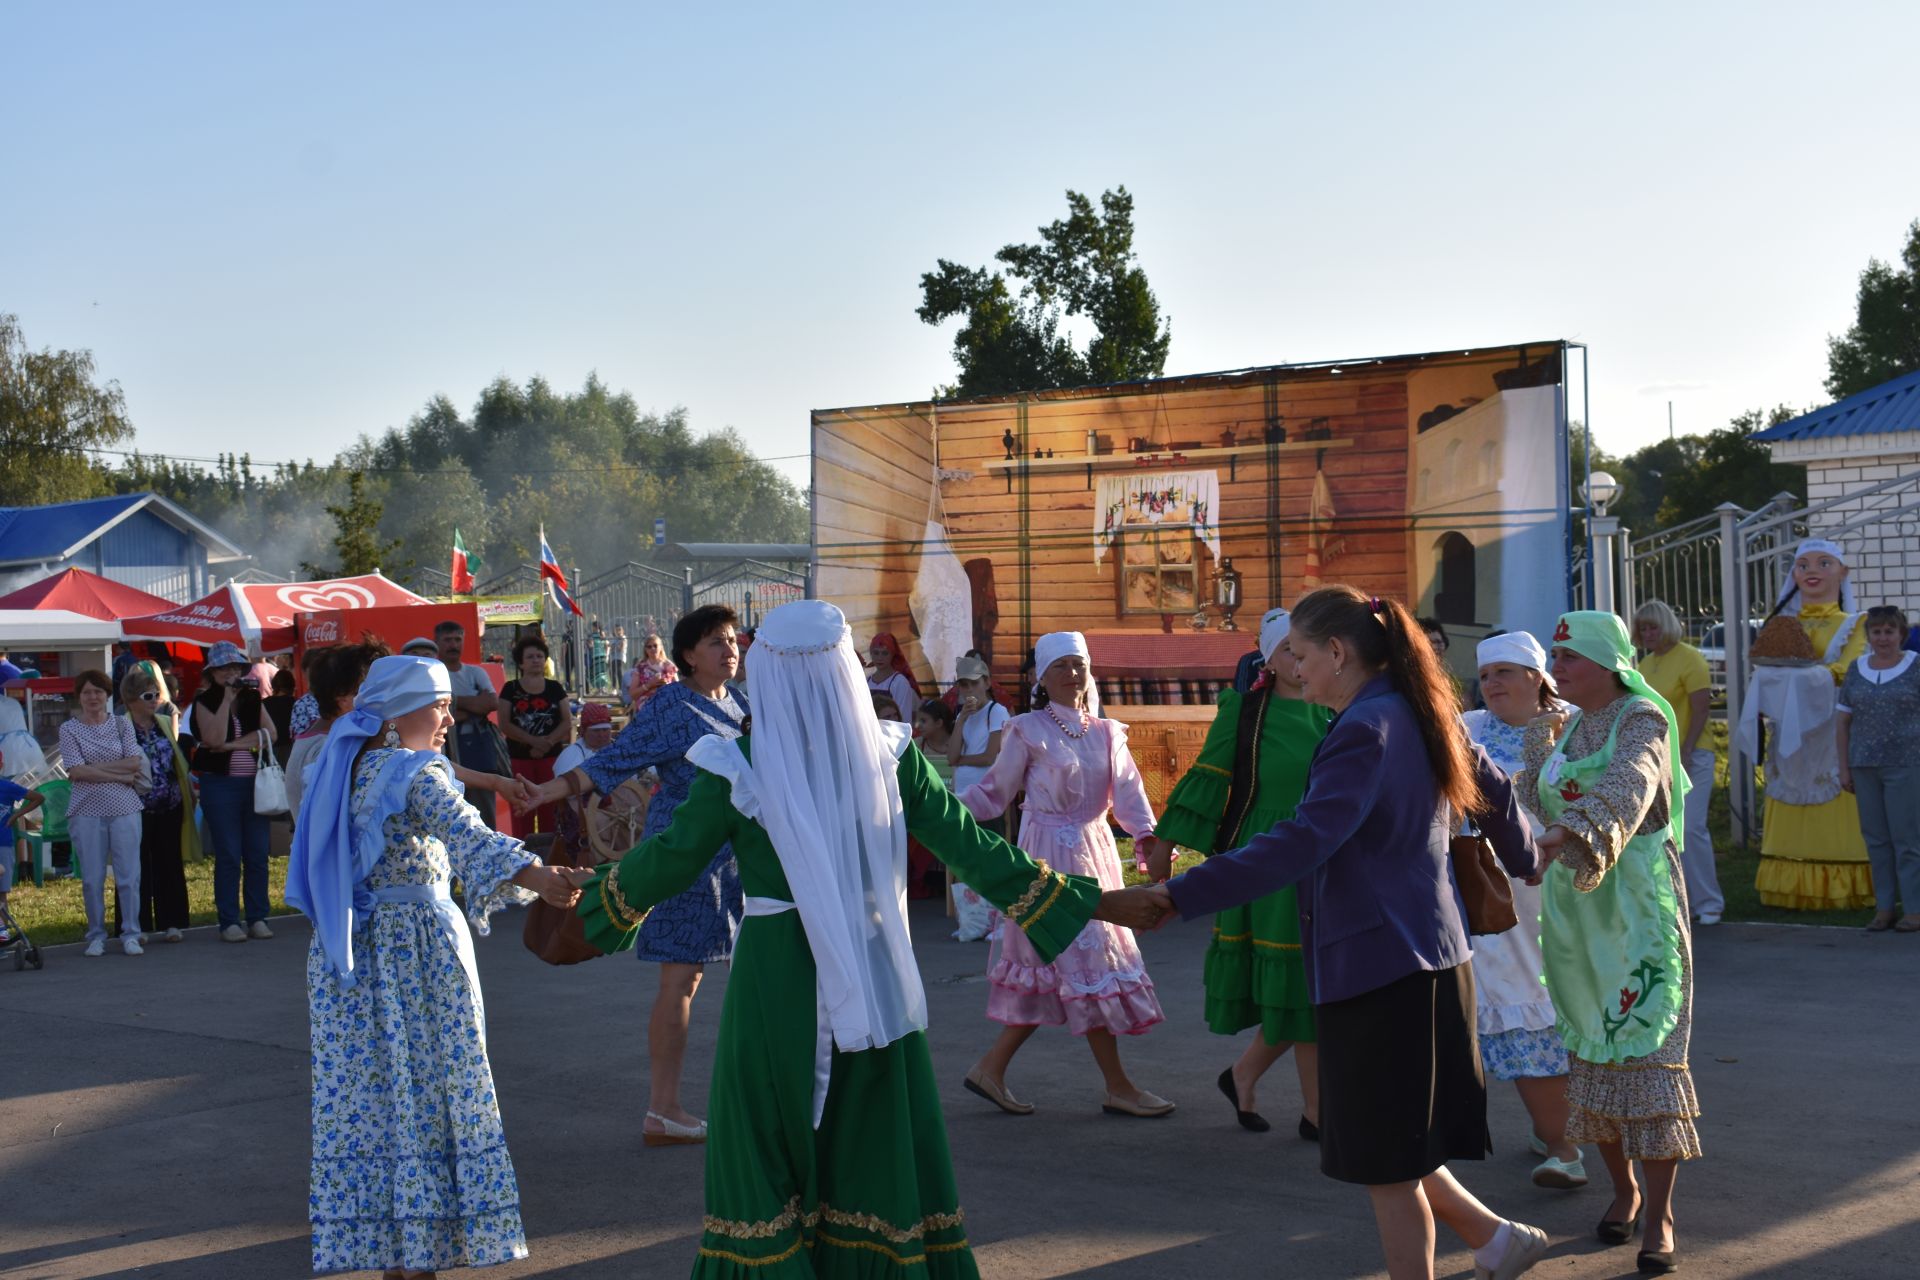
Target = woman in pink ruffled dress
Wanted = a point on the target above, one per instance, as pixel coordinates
(1074, 766)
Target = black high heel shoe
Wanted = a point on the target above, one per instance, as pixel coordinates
(1658, 1262)
(1611, 1232)
(1250, 1120)
(1309, 1130)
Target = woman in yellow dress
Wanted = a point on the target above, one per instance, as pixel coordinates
(1812, 857)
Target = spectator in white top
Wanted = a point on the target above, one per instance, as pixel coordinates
(103, 760)
(596, 733)
(974, 744)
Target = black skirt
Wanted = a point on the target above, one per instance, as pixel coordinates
(1401, 1092)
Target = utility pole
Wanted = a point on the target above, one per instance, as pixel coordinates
(1669, 419)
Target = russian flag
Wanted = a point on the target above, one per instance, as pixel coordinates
(556, 580)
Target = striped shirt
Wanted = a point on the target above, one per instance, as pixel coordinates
(103, 743)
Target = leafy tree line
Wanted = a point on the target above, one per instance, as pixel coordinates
(1672, 481)
(589, 464)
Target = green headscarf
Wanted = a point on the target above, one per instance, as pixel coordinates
(1601, 637)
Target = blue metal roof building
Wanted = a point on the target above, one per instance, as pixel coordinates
(1889, 408)
(141, 539)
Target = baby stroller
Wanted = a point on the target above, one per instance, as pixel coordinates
(24, 952)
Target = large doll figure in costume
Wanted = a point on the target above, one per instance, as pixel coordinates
(1812, 856)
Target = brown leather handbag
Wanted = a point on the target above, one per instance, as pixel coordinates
(1484, 886)
(594, 831)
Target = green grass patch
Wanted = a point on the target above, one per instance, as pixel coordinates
(55, 912)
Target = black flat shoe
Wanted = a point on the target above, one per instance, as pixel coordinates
(1309, 1130)
(1251, 1120)
(1611, 1232)
(1661, 1263)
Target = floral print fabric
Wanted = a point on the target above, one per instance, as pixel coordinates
(698, 926)
(410, 1165)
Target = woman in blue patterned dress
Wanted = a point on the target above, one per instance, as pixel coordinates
(696, 928)
(1518, 1041)
(410, 1168)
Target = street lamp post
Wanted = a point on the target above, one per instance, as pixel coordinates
(1599, 492)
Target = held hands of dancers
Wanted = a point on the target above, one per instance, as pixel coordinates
(1550, 842)
(525, 797)
(557, 886)
(1153, 857)
(1139, 908)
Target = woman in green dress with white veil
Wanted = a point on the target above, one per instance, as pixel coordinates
(827, 1150)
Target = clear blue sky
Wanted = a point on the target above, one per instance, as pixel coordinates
(279, 226)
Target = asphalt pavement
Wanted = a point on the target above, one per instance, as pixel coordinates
(154, 1122)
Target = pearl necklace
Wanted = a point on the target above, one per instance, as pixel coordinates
(1086, 722)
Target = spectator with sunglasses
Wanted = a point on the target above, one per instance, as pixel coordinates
(166, 810)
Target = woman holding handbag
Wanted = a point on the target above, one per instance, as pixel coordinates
(1384, 932)
(231, 728)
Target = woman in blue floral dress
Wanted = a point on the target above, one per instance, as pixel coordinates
(410, 1167)
(696, 928)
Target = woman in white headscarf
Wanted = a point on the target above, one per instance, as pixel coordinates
(1073, 766)
(826, 1149)
(1515, 1017)
(1812, 856)
(1248, 778)
(410, 1168)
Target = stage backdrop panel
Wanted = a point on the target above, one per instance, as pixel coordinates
(1482, 430)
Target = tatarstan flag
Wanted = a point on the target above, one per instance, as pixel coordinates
(464, 566)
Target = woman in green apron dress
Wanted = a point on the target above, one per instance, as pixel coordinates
(1614, 935)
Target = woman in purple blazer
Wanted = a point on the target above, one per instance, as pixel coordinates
(1383, 930)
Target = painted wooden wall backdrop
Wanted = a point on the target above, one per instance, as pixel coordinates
(873, 474)
(1069, 590)
(874, 467)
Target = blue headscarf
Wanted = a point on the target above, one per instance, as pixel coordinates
(332, 854)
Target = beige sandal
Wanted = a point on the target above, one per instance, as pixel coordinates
(996, 1093)
(1908, 924)
(1147, 1106)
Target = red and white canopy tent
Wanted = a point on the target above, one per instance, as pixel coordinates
(258, 616)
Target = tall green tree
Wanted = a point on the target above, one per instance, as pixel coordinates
(356, 540)
(1884, 340)
(1083, 265)
(52, 410)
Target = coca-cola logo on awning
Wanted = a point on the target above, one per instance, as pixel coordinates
(322, 632)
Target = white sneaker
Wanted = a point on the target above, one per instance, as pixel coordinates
(131, 945)
(173, 935)
(1561, 1175)
(258, 929)
(1536, 1144)
(233, 933)
(1527, 1246)
(1709, 918)
(98, 947)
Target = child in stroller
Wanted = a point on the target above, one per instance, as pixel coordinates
(16, 802)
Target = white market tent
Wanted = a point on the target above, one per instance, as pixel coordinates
(41, 630)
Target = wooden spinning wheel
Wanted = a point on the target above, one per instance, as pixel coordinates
(614, 822)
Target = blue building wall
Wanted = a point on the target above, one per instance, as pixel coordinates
(145, 551)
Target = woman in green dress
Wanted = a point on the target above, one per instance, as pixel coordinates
(1248, 778)
(827, 1151)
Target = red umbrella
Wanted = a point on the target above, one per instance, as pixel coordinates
(78, 591)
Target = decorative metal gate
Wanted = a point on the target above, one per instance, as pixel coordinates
(750, 588)
(635, 596)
